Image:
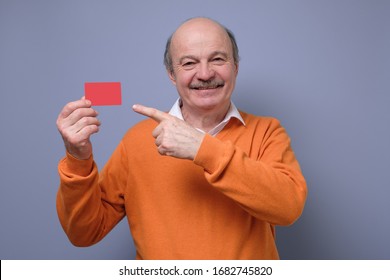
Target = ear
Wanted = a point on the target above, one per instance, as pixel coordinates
(237, 66)
(172, 76)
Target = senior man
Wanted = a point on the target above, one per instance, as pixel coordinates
(204, 181)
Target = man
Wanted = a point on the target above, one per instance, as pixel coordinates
(211, 183)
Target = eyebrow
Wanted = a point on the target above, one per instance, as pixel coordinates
(213, 54)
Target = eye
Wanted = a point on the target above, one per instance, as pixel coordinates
(189, 63)
(218, 60)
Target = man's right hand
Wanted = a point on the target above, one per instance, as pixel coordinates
(76, 123)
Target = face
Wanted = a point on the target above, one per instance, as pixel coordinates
(204, 69)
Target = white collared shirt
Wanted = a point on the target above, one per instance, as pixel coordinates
(232, 113)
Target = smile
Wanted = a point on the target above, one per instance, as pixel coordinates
(207, 85)
(206, 88)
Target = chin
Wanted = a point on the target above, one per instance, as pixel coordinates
(206, 99)
(209, 102)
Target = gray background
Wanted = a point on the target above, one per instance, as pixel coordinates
(321, 67)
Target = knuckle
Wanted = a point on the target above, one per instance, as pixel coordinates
(81, 112)
(70, 107)
(153, 111)
(160, 150)
(93, 128)
(166, 145)
(67, 107)
(60, 126)
(77, 113)
(84, 121)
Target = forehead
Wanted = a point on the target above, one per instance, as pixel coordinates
(200, 37)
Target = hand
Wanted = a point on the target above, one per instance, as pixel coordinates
(174, 137)
(76, 123)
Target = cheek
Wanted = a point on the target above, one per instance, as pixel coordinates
(229, 74)
(184, 79)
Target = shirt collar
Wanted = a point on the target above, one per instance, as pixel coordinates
(232, 113)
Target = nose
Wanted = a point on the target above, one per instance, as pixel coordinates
(205, 72)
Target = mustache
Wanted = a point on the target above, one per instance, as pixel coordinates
(207, 84)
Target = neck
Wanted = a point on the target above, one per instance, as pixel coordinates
(204, 119)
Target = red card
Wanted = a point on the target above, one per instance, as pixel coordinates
(103, 93)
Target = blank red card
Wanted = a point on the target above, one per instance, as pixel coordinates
(103, 93)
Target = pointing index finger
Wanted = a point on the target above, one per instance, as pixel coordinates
(153, 113)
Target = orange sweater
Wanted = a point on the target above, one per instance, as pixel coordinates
(222, 205)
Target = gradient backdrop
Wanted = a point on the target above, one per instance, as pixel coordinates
(321, 67)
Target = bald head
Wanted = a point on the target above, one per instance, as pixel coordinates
(194, 26)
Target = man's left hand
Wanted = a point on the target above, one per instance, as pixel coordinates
(174, 137)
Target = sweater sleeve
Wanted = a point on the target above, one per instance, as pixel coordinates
(270, 187)
(90, 204)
